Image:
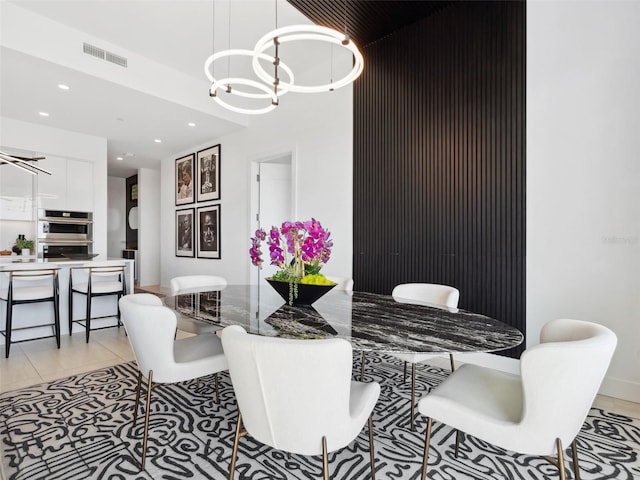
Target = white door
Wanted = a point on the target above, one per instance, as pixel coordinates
(275, 203)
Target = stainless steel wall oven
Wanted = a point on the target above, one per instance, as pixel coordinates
(65, 234)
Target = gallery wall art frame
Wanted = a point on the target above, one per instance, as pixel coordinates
(208, 166)
(209, 237)
(185, 232)
(185, 179)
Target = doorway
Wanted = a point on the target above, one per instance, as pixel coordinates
(273, 191)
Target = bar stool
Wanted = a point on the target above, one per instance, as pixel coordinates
(101, 280)
(30, 283)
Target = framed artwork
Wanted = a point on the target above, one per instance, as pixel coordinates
(185, 239)
(134, 192)
(209, 232)
(208, 163)
(184, 179)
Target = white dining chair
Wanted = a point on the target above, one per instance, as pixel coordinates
(196, 283)
(27, 284)
(536, 412)
(342, 283)
(186, 284)
(297, 395)
(422, 293)
(151, 329)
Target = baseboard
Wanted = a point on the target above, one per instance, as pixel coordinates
(622, 389)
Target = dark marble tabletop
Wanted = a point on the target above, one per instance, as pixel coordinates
(371, 322)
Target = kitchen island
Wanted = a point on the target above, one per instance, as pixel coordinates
(38, 313)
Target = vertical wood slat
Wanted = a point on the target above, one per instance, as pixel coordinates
(439, 159)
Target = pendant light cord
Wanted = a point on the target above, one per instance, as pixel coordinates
(276, 61)
(346, 26)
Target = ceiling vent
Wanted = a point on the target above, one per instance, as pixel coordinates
(104, 55)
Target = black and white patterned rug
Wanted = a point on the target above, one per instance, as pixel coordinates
(80, 428)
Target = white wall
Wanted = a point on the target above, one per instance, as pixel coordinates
(149, 254)
(116, 216)
(65, 144)
(317, 129)
(583, 174)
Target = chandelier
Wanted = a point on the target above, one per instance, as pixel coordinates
(264, 94)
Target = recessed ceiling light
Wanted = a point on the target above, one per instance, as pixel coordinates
(119, 158)
(157, 140)
(62, 86)
(129, 154)
(191, 124)
(43, 114)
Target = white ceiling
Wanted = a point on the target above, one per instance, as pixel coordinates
(174, 33)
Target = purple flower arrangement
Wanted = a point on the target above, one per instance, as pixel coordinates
(296, 248)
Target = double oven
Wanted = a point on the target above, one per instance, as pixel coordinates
(64, 234)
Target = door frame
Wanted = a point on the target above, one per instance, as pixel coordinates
(254, 203)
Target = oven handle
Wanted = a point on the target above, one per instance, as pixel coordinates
(74, 221)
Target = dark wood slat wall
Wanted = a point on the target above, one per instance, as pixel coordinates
(439, 158)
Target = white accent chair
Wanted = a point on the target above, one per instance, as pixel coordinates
(151, 329)
(297, 395)
(437, 295)
(98, 279)
(342, 283)
(536, 412)
(30, 283)
(420, 293)
(196, 284)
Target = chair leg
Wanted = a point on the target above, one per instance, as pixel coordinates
(560, 459)
(458, 435)
(215, 382)
(453, 366)
(426, 449)
(372, 456)
(413, 395)
(325, 459)
(576, 466)
(234, 450)
(404, 373)
(87, 323)
(7, 333)
(135, 410)
(118, 307)
(145, 435)
(56, 317)
(70, 309)
(362, 360)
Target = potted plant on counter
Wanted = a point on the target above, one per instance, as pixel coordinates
(24, 245)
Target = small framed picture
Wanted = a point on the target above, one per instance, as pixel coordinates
(208, 162)
(184, 180)
(134, 192)
(209, 232)
(185, 238)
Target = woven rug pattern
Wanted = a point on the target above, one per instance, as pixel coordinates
(81, 428)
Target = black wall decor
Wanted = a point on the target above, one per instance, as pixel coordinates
(439, 158)
(132, 201)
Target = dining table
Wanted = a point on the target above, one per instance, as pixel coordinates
(369, 321)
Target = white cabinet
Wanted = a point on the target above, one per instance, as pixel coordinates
(69, 187)
(52, 189)
(79, 186)
(16, 193)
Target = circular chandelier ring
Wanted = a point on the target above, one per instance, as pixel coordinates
(248, 53)
(268, 93)
(307, 32)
